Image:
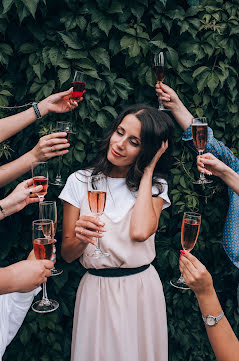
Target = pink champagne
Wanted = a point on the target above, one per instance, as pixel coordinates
(78, 88)
(43, 248)
(189, 233)
(41, 181)
(199, 136)
(159, 72)
(97, 201)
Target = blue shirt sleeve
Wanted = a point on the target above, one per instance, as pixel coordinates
(217, 148)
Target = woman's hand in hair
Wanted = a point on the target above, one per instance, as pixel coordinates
(87, 228)
(49, 146)
(157, 156)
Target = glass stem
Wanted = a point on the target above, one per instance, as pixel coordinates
(41, 199)
(97, 239)
(44, 295)
(202, 176)
(58, 175)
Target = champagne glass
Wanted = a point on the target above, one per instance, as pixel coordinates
(189, 235)
(62, 127)
(48, 210)
(199, 131)
(40, 177)
(78, 85)
(43, 249)
(97, 186)
(158, 68)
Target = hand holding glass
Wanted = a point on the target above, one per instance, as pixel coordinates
(189, 235)
(43, 242)
(97, 185)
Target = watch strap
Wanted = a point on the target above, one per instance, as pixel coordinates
(37, 111)
(216, 318)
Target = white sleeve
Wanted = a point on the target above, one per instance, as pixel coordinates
(13, 309)
(73, 191)
(164, 193)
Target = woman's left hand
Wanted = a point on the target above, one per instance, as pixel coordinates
(58, 103)
(22, 195)
(157, 156)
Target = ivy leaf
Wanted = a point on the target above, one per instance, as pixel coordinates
(64, 75)
(7, 5)
(70, 40)
(31, 6)
(101, 56)
(213, 81)
(102, 120)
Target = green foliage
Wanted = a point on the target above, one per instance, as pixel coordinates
(113, 43)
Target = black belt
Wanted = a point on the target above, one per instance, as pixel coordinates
(117, 272)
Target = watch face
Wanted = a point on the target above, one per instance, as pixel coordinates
(210, 321)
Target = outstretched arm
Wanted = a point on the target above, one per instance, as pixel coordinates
(221, 336)
(56, 103)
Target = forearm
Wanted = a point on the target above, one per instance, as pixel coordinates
(72, 249)
(144, 220)
(182, 115)
(227, 350)
(16, 168)
(231, 178)
(7, 280)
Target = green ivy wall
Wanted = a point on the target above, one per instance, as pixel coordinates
(41, 43)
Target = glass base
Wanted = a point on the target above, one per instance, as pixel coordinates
(45, 306)
(203, 181)
(161, 107)
(56, 272)
(58, 181)
(98, 254)
(179, 283)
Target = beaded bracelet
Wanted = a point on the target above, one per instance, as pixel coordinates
(37, 111)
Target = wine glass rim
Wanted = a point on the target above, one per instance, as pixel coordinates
(47, 202)
(199, 119)
(42, 220)
(193, 214)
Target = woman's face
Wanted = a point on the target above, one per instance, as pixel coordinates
(125, 144)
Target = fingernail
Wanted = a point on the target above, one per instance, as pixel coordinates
(54, 251)
(179, 257)
(101, 223)
(182, 251)
(53, 258)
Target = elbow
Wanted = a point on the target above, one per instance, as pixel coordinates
(138, 236)
(65, 255)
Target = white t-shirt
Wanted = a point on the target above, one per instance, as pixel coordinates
(13, 309)
(119, 198)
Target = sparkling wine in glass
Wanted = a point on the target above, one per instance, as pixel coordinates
(40, 177)
(43, 249)
(78, 85)
(62, 127)
(48, 210)
(97, 186)
(199, 132)
(158, 68)
(189, 235)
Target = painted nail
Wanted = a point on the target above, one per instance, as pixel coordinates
(182, 252)
(53, 258)
(54, 251)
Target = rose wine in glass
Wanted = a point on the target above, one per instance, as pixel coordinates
(48, 210)
(199, 132)
(67, 128)
(97, 185)
(189, 235)
(43, 249)
(158, 68)
(78, 85)
(40, 177)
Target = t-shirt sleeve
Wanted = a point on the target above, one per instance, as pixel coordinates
(164, 193)
(73, 191)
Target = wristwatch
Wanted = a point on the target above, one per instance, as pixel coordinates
(37, 111)
(211, 321)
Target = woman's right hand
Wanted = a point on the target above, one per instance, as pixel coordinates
(88, 227)
(49, 146)
(208, 164)
(168, 96)
(195, 274)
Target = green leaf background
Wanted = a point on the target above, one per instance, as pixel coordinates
(41, 44)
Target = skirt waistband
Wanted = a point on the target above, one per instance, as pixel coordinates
(117, 272)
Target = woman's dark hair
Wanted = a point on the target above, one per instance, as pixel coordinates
(156, 127)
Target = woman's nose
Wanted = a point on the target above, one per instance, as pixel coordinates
(121, 142)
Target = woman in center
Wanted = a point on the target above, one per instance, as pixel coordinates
(120, 312)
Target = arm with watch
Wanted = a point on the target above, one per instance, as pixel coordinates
(55, 103)
(221, 336)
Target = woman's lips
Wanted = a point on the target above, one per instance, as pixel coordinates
(116, 154)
